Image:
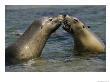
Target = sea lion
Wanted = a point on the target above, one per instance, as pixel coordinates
(32, 42)
(84, 39)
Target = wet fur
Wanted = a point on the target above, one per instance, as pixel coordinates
(84, 39)
(31, 43)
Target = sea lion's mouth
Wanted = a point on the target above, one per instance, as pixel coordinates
(67, 26)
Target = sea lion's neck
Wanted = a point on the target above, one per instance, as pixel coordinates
(38, 42)
(33, 40)
(80, 38)
(31, 31)
(87, 41)
(28, 46)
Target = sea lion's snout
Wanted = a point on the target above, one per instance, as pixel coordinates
(67, 23)
(71, 24)
(53, 23)
(60, 18)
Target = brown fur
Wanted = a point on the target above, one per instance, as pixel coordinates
(84, 39)
(32, 42)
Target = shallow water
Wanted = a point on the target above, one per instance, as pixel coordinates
(58, 54)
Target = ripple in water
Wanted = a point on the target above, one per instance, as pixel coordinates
(57, 55)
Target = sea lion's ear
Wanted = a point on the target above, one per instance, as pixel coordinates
(88, 26)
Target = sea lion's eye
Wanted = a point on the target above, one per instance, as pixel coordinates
(50, 19)
(75, 20)
(83, 26)
(88, 26)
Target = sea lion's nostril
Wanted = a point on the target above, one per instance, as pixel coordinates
(65, 22)
(69, 25)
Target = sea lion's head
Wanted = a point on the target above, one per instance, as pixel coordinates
(73, 25)
(52, 24)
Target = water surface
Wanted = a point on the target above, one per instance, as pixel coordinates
(58, 53)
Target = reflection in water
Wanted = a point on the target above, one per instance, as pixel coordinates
(58, 52)
(62, 65)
